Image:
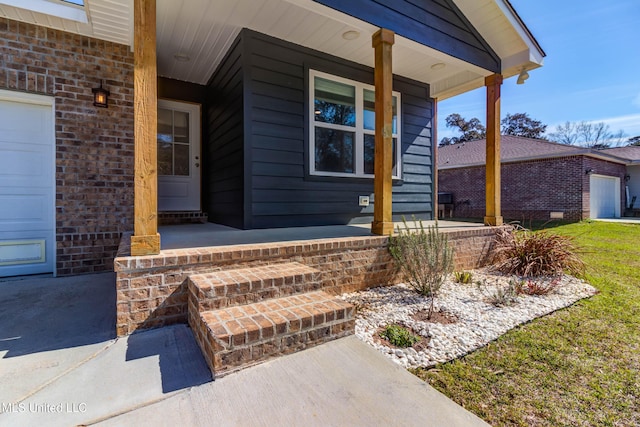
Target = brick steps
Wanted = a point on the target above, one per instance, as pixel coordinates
(248, 285)
(242, 317)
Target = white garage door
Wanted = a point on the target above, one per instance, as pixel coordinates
(604, 196)
(26, 184)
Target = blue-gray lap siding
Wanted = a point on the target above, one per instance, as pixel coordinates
(435, 23)
(223, 146)
(269, 126)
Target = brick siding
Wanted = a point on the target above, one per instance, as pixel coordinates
(94, 146)
(531, 189)
(152, 290)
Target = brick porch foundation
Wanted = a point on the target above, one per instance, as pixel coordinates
(152, 291)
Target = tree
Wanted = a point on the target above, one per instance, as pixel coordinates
(471, 129)
(520, 124)
(591, 135)
(634, 140)
(565, 134)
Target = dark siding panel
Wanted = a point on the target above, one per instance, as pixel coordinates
(223, 153)
(435, 23)
(282, 193)
(181, 91)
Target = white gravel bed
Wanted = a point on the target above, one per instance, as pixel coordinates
(478, 321)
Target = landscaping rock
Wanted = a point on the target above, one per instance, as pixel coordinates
(477, 323)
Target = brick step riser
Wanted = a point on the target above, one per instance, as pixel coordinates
(221, 295)
(223, 361)
(222, 298)
(237, 337)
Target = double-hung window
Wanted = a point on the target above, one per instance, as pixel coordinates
(342, 127)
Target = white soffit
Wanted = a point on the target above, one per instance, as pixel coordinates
(109, 20)
(501, 27)
(59, 9)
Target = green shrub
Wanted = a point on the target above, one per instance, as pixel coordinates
(423, 257)
(399, 336)
(464, 277)
(502, 295)
(525, 253)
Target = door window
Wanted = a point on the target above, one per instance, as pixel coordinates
(173, 143)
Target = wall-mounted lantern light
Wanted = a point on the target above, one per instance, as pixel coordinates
(627, 178)
(589, 171)
(101, 97)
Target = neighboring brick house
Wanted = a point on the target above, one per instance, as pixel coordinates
(540, 180)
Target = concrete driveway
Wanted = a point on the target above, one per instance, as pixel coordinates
(62, 365)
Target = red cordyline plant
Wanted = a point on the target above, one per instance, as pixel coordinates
(534, 254)
(534, 287)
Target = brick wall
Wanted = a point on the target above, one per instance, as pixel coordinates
(94, 146)
(152, 290)
(530, 190)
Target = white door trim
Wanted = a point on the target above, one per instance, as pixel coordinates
(27, 98)
(47, 101)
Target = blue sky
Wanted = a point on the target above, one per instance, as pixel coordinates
(591, 72)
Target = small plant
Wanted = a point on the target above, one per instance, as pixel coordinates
(464, 277)
(424, 258)
(399, 336)
(502, 295)
(533, 287)
(528, 254)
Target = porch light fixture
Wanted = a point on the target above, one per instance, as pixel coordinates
(438, 66)
(101, 96)
(522, 77)
(589, 171)
(627, 178)
(351, 35)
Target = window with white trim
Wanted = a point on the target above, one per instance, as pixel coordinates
(342, 127)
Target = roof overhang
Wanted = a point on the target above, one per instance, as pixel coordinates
(503, 29)
(194, 35)
(578, 152)
(110, 20)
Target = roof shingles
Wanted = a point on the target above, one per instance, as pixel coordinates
(516, 148)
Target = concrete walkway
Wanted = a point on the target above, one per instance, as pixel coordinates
(62, 365)
(622, 220)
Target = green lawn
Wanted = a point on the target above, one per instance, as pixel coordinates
(577, 367)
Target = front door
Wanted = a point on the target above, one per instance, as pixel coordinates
(178, 156)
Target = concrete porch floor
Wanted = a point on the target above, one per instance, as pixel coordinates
(210, 234)
(62, 365)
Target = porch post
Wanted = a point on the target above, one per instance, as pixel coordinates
(493, 214)
(435, 208)
(382, 223)
(146, 240)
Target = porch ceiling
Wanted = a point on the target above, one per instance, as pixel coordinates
(203, 30)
